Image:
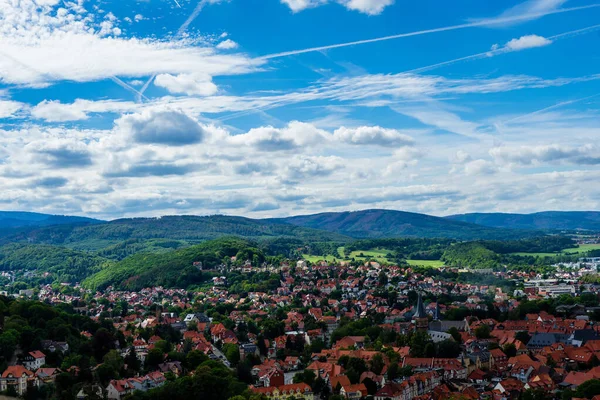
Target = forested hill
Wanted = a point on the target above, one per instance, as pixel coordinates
(15, 219)
(547, 220)
(390, 223)
(189, 228)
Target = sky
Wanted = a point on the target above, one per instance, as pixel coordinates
(263, 108)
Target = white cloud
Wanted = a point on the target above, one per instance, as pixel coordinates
(190, 84)
(299, 5)
(8, 108)
(372, 135)
(527, 11)
(171, 128)
(55, 111)
(370, 7)
(527, 42)
(480, 167)
(45, 44)
(227, 44)
(295, 135)
(587, 154)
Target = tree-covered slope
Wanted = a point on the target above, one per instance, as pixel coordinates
(175, 268)
(65, 265)
(547, 220)
(189, 228)
(390, 223)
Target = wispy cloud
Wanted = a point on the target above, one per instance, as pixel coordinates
(498, 20)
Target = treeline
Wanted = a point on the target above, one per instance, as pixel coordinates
(542, 244)
(404, 248)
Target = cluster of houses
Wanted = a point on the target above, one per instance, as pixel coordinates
(542, 351)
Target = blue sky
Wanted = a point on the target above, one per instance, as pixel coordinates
(278, 107)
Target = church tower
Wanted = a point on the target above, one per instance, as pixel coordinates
(419, 318)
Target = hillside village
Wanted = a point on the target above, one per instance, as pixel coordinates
(334, 331)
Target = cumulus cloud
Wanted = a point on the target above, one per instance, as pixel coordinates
(227, 45)
(60, 153)
(480, 167)
(8, 108)
(166, 127)
(264, 206)
(306, 167)
(296, 134)
(553, 153)
(372, 135)
(370, 7)
(190, 84)
(524, 42)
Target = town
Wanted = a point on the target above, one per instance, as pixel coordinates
(322, 330)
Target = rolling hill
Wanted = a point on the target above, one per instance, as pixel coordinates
(547, 220)
(390, 223)
(16, 219)
(194, 229)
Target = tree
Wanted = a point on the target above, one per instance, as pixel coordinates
(523, 337)
(155, 357)
(510, 350)
(132, 361)
(393, 371)
(307, 376)
(194, 358)
(370, 385)
(455, 334)
(482, 332)
(232, 352)
(588, 389)
(447, 349)
(377, 363)
(417, 344)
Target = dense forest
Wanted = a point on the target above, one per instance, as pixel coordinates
(66, 265)
(175, 268)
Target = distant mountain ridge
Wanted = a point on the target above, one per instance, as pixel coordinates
(390, 223)
(545, 220)
(16, 219)
(179, 227)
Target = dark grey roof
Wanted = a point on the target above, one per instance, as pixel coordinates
(584, 335)
(420, 308)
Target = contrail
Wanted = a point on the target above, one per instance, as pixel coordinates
(176, 2)
(552, 107)
(128, 87)
(485, 54)
(502, 50)
(180, 32)
(428, 31)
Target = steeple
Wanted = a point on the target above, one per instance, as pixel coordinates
(419, 318)
(419, 309)
(436, 314)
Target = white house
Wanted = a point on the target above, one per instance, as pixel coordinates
(34, 360)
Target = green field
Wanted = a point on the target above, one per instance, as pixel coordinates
(377, 254)
(584, 248)
(314, 259)
(426, 263)
(536, 254)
